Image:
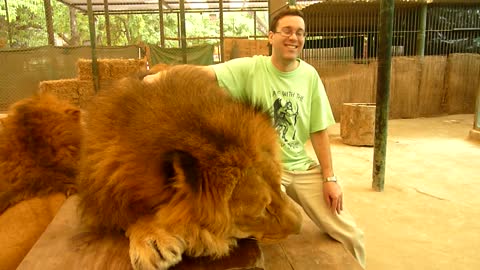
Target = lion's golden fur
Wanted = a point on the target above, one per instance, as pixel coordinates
(181, 167)
(39, 149)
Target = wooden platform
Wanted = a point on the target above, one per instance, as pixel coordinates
(310, 250)
(65, 245)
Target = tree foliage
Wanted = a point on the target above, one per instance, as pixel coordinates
(27, 24)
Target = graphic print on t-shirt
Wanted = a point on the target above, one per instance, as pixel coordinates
(285, 117)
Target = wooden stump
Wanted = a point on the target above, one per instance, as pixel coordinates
(66, 245)
(357, 126)
(474, 135)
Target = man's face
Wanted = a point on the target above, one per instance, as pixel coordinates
(288, 47)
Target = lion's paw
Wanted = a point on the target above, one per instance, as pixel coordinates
(158, 251)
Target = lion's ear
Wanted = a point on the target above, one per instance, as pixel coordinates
(182, 170)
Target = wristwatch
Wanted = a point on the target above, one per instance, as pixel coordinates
(332, 178)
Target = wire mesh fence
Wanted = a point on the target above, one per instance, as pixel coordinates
(341, 32)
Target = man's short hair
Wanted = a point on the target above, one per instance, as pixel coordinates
(283, 13)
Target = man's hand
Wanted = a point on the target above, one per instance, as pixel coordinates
(333, 196)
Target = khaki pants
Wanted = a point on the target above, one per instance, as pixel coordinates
(306, 188)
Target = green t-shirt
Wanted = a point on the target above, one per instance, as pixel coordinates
(297, 101)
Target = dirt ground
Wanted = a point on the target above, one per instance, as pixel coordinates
(428, 216)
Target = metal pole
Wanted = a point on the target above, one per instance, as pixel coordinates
(383, 92)
(422, 28)
(162, 29)
(222, 36)
(255, 25)
(107, 22)
(8, 25)
(91, 23)
(476, 119)
(48, 19)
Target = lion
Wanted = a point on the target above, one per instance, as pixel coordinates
(39, 149)
(180, 167)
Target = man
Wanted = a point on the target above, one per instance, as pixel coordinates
(293, 91)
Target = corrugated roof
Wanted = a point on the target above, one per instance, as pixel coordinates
(169, 6)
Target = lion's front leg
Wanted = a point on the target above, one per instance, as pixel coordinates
(152, 247)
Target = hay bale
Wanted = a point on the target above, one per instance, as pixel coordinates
(110, 69)
(120, 68)
(235, 48)
(84, 69)
(75, 91)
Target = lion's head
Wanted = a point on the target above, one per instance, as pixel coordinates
(181, 167)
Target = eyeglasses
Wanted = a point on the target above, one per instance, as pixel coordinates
(288, 32)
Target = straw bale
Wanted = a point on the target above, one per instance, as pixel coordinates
(236, 47)
(84, 69)
(120, 68)
(404, 85)
(86, 92)
(432, 86)
(75, 91)
(109, 69)
(462, 80)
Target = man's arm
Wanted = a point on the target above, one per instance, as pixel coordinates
(331, 190)
(210, 73)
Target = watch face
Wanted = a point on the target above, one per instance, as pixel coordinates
(331, 179)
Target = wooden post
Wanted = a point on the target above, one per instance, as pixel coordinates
(383, 92)
(48, 19)
(107, 22)
(93, 37)
(183, 31)
(162, 29)
(222, 35)
(8, 24)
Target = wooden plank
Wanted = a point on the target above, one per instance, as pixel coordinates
(22, 224)
(275, 257)
(404, 85)
(308, 250)
(65, 244)
(462, 80)
(348, 83)
(432, 87)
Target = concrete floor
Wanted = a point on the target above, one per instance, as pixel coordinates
(427, 217)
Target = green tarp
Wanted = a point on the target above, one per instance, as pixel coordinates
(197, 55)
